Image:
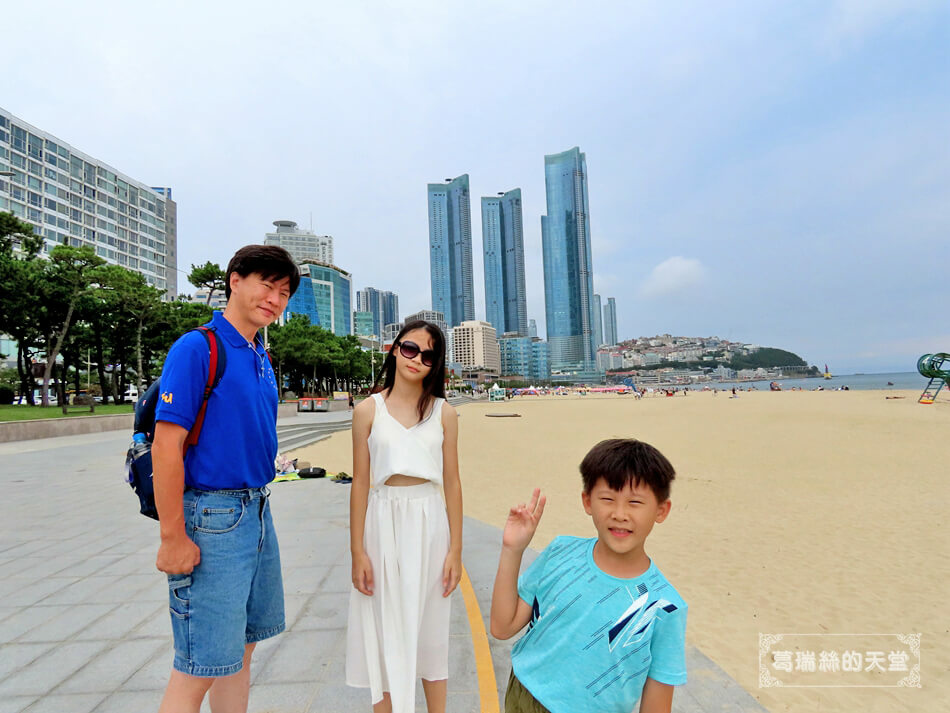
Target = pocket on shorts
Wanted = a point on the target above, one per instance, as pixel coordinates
(215, 515)
(179, 594)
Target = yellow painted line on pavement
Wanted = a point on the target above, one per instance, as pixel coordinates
(487, 686)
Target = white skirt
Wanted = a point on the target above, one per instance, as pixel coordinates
(401, 632)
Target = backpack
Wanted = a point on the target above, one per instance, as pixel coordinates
(138, 459)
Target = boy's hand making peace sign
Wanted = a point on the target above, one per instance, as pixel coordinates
(522, 522)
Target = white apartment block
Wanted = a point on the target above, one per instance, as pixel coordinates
(71, 198)
(301, 244)
(475, 344)
(429, 315)
(218, 300)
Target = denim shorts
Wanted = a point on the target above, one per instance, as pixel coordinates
(235, 596)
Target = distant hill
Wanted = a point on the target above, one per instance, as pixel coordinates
(766, 357)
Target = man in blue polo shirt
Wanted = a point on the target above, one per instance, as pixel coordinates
(218, 544)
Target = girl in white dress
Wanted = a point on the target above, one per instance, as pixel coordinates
(406, 542)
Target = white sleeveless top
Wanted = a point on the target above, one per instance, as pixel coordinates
(415, 451)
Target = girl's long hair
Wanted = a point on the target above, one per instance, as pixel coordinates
(433, 384)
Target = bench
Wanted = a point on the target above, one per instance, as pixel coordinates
(80, 403)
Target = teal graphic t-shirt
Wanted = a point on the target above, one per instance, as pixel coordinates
(594, 639)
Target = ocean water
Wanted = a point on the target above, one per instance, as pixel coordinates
(859, 382)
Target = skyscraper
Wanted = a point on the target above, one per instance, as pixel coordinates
(475, 345)
(71, 198)
(506, 305)
(383, 304)
(610, 321)
(428, 315)
(301, 244)
(598, 322)
(568, 277)
(324, 297)
(450, 250)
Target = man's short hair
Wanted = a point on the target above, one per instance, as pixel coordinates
(624, 461)
(271, 262)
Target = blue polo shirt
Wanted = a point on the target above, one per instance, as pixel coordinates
(238, 440)
(594, 639)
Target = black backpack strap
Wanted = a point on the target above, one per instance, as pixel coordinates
(145, 411)
(216, 365)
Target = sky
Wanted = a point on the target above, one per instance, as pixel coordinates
(776, 173)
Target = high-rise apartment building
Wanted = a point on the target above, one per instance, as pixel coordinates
(568, 276)
(218, 300)
(363, 324)
(506, 306)
(532, 328)
(71, 198)
(301, 244)
(429, 315)
(390, 331)
(324, 295)
(383, 305)
(475, 345)
(450, 250)
(610, 321)
(598, 322)
(524, 356)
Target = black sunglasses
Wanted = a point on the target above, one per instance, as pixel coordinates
(410, 349)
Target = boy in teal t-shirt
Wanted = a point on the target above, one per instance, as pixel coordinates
(606, 628)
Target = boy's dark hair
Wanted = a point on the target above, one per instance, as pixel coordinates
(622, 461)
(271, 262)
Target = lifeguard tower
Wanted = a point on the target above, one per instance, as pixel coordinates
(931, 366)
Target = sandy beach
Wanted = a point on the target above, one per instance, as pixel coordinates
(793, 512)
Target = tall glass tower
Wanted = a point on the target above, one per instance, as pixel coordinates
(610, 321)
(506, 306)
(383, 304)
(568, 276)
(450, 250)
(598, 322)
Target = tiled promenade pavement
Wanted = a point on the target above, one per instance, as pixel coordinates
(84, 623)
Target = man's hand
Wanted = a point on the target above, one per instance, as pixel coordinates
(522, 522)
(177, 555)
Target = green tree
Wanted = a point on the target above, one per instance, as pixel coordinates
(209, 275)
(67, 277)
(766, 357)
(292, 348)
(21, 272)
(137, 301)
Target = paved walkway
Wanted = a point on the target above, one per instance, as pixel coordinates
(84, 615)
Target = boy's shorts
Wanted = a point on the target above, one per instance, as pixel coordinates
(235, 596)
(518, 699)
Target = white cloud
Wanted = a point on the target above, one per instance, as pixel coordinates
(673, 276)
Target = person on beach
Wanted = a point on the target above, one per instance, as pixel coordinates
(218, 545)
(605, 627)
(406, 543)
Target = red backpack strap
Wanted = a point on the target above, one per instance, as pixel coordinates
(213, 376)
